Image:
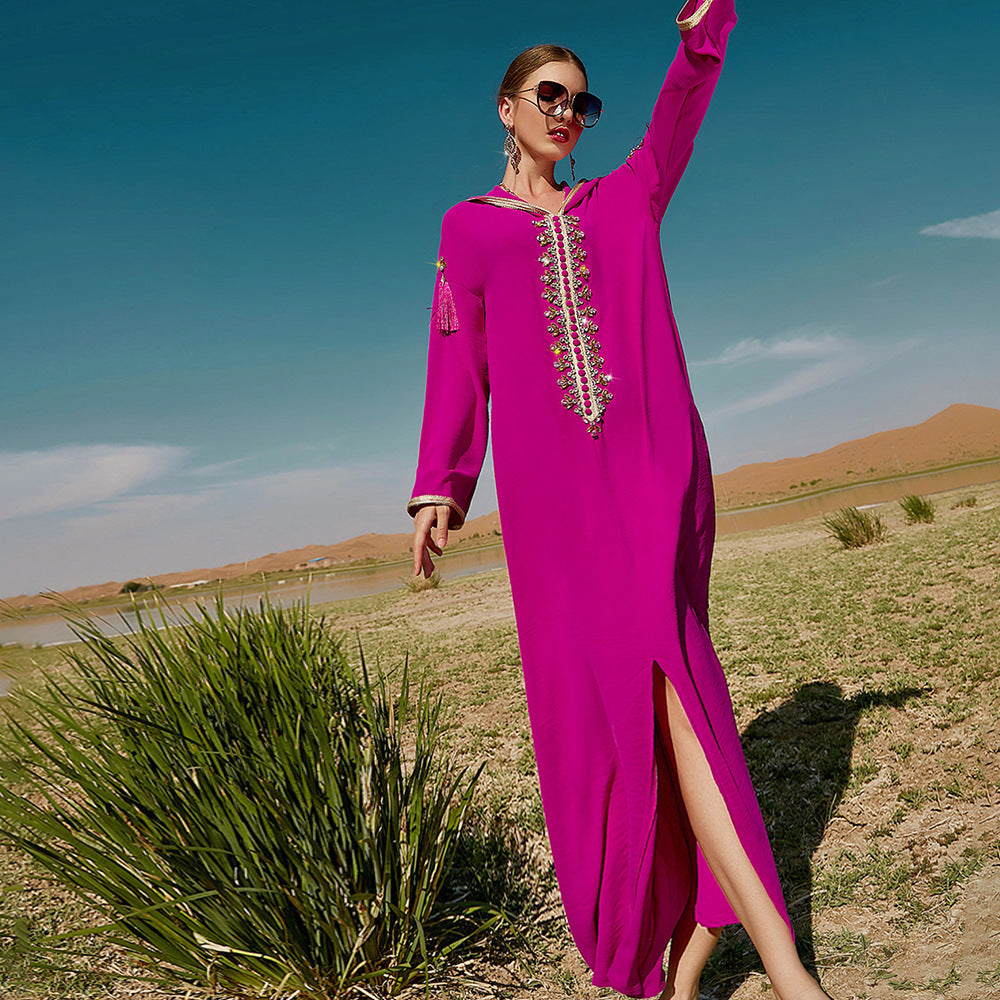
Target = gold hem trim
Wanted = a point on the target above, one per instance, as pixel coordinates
(428, 498)
(695, 19)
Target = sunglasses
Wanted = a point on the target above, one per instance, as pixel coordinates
(553, 99)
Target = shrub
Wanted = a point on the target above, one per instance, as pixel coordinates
(969, 501)
(854, 528)
(252, 813)
(416, 584)
(917, 509)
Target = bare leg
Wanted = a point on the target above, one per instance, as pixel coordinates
(713, 829)
(690, 948)
(692, 944)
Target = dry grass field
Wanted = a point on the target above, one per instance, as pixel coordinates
(865, 684)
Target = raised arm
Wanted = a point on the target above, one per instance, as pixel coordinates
(659, 160)
(455, 426)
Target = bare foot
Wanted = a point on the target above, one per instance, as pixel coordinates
(814, 992)
(670, 993)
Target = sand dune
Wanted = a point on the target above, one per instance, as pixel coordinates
(961, 433)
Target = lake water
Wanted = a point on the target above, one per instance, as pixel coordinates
(862, 495)
(49, 630)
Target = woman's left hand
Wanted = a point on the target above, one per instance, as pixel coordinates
(428, 521)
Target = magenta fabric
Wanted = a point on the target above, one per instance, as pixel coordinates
(608, 525)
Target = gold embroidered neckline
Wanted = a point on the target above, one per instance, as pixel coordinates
(566, 192)
(516, 201)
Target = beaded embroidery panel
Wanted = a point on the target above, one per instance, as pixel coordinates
(572, 322)
(571, 318)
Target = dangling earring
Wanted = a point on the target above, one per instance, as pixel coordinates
(511, 148)
(572, 167)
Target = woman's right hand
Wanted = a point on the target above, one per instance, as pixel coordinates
(429, 523)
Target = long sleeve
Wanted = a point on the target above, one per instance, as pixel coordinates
(455, 427)
(659, 160)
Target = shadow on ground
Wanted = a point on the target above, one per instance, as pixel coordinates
(799, 756)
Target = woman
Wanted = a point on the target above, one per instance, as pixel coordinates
(552, 302)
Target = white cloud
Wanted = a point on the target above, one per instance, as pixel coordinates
(225, 509)
(39, 482)
(216, 468)
(177, 528)
(986, 227)
(791, 347)
(884, 281)
(145, 511)
(820, 360)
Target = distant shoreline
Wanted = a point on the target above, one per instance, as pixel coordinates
(252, 581)
(726, 518)
(792, 498)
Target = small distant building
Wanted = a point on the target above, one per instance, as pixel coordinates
(320, 562)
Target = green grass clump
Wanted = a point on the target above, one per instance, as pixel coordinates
(969, 501)
(917, 510)
(252, 813)
(418, 584)
(854, 528)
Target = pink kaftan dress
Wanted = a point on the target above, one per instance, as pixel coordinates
(560, 326)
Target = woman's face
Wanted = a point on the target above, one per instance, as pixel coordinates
(540, 136)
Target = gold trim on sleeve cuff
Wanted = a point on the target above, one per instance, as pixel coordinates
(696, 18)
(427, 499)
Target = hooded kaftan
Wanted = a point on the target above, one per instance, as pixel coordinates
(557, 330)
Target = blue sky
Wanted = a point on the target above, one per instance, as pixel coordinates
(220, 221)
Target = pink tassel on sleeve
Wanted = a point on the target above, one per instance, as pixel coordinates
(444, 316)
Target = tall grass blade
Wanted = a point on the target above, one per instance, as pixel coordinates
(250, 811)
